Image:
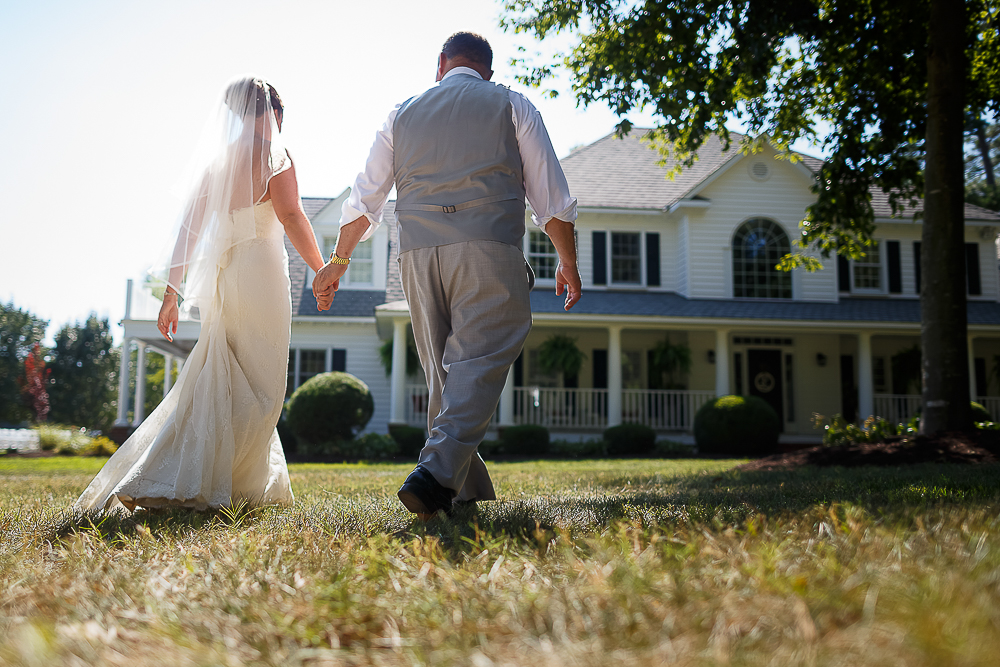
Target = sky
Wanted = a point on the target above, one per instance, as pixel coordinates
(104, 101)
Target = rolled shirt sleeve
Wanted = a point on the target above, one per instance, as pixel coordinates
(544, 181)
(372, 186)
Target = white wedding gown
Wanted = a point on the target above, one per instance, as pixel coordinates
(212, 440)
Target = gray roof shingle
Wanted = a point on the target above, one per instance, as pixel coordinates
(626, 173)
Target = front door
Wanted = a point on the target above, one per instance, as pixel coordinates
(765, 379)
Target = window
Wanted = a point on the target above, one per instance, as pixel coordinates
(542, 255)
(626, 258)
(868, 270)
(879, 375)
(312, 362)
(361, 270)
(758, 246)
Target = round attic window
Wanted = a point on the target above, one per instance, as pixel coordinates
(759, 170)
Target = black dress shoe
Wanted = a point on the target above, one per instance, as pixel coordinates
(423, 495)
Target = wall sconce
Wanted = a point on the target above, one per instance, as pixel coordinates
(711, 356)
(820, 359)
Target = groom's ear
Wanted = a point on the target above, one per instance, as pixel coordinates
(442, 66)
(489, 75)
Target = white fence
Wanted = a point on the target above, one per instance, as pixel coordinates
(899, 408)
(21, 439)
(663, 410)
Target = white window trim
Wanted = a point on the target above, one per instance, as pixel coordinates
(642, 259)
(883, 278)
(528, 254)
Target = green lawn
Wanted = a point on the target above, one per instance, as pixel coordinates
(585, 563)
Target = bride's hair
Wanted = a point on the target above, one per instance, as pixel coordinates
(243, 93)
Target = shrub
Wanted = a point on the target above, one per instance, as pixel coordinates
(579, 449)
(289, 443)
(668, 449)
(99, 446)
(329, 407)
(52, 437)
(739, 425)
(629, 439)
(875, 429)
(980, 413)
(525, 440)
(371, 447)
(410, 439)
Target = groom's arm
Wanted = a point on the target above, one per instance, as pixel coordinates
(563, 237)
(327, 280)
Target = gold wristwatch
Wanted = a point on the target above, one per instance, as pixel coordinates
(338, 260)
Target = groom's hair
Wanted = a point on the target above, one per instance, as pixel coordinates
(469, 45)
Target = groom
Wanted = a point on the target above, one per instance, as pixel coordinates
(463, 155)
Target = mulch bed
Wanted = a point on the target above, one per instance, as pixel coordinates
(967, 448)
(30, 454)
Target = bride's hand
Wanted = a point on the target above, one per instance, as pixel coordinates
(168, 316)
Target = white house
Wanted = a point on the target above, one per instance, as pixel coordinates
(688, 260)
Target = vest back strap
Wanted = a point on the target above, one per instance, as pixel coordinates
(433, 208)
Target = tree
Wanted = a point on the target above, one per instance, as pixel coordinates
(20, 331)
(982, 158)
(887, 77)
(84, 381)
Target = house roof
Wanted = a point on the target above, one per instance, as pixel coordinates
(626, 173)
(668, 304)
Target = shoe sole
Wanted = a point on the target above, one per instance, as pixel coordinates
(413, 503)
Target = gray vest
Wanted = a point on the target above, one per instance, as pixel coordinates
(457, 166)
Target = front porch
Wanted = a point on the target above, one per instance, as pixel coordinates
(585, 410)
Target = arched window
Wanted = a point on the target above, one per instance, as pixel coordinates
(759, 244)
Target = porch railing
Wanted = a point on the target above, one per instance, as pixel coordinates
(899, 408)
(663, 410)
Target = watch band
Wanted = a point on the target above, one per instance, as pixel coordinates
(334, 259)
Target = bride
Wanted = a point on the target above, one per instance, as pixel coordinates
(212, 440)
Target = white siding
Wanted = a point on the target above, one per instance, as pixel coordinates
(736, 197)
(681, 257)
(361, 343)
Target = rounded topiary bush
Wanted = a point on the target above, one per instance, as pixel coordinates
(329, 407)
(738, 425)
(525, 440)
(980, 413)
(410, 439)
(629, 440)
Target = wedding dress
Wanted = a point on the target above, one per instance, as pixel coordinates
(212, 440)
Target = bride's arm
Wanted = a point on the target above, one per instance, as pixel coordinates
(187, 237)
(288, 207)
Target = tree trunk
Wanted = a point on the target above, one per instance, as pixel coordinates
(942, 299)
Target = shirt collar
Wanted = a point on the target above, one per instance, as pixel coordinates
(462, 70)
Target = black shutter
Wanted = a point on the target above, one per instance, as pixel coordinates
(600, 258)
(652, 260)
(916, 263)
(895, 275)
(843, 274)
(339, 361)
(982, 379)
(600, 358)
(519, 370)
(973, 283)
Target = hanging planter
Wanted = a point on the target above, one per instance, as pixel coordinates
(560, 354)
(412, 360)
(671, 362)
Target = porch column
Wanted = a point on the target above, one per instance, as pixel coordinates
(168, 375)
(722, 362)
(614, 375)
(866, 393)
(507, 400)
(140, 385)
(972, 370)
(180, 365)
(123, 378)
(397, 407)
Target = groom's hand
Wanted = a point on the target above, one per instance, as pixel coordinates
(326, 283)
(568, 280)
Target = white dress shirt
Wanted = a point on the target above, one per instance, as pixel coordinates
(544, 181)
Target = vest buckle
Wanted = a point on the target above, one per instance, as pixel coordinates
(448, 209)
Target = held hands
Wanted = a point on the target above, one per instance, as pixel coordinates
(168, 316)
(568, 279)
(326, 283)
